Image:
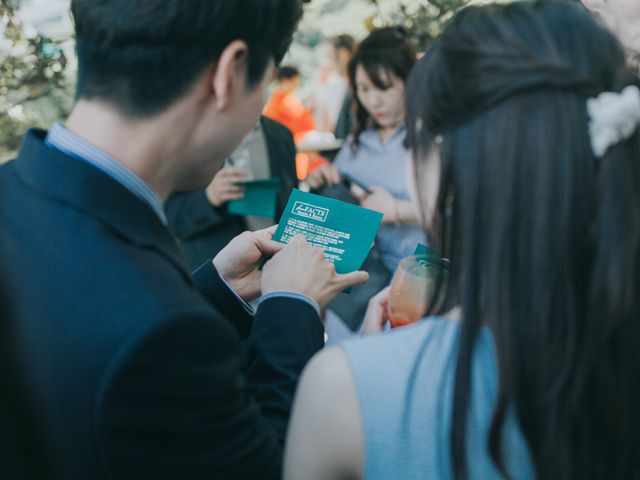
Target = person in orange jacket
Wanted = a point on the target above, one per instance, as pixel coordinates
(285, 107)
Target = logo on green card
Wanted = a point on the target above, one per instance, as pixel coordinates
(313, 212)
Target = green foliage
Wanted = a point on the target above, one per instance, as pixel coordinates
(423, 20)
(8, 7)
(34, 87)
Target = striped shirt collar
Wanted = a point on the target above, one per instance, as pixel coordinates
(371, 138)
(73, 145)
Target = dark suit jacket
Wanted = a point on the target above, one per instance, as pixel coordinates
(138, 366)
(24, 452)
(204, 230)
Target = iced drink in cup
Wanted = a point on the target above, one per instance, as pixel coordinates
(413, 285)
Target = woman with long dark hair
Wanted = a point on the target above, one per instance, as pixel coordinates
(527, 113)
(375, 155)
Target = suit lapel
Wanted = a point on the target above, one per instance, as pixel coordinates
(87, 189)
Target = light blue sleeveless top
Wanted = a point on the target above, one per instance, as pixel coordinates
(404, 381)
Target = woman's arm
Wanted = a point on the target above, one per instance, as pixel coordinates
(394, 210)
(325, 439)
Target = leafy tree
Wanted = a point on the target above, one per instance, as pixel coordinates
(34, 87)
(423, 20)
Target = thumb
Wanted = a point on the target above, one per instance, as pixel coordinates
(267, 246)
(267, 232)
(358, 193)
(377, 313)
(351, 279)
(299, 239)
(334, 176)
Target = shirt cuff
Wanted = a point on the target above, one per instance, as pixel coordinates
(248, 308)
(294, 296)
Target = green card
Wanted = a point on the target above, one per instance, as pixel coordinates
(345, 232)
(260, 198)
(421, 250)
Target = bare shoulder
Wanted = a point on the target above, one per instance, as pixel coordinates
(325, 439)
(329, 365)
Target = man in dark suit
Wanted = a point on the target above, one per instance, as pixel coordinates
(138, 366)
(201, 220)
(24, 452)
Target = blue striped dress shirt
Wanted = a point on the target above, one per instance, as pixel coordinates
(73, 145)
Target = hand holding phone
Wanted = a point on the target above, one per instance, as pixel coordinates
(358, 188)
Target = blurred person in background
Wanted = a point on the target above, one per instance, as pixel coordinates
(328, 96)
(344, 46)
(526, 114)
(375, 154)
(285, 107)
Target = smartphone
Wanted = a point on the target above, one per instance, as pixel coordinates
(349, 181)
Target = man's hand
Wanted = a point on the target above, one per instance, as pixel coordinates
(301, 268)
(224, 186)
(377, 313)
(239, 261)
(325, 175)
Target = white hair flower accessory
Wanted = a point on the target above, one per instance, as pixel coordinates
(613, 117)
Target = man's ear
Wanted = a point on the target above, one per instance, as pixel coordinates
(228, 72)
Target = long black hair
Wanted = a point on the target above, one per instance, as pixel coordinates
(384, 51)
(543, 237)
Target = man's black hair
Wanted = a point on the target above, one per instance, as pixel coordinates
(142, 55)
(286, 72)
